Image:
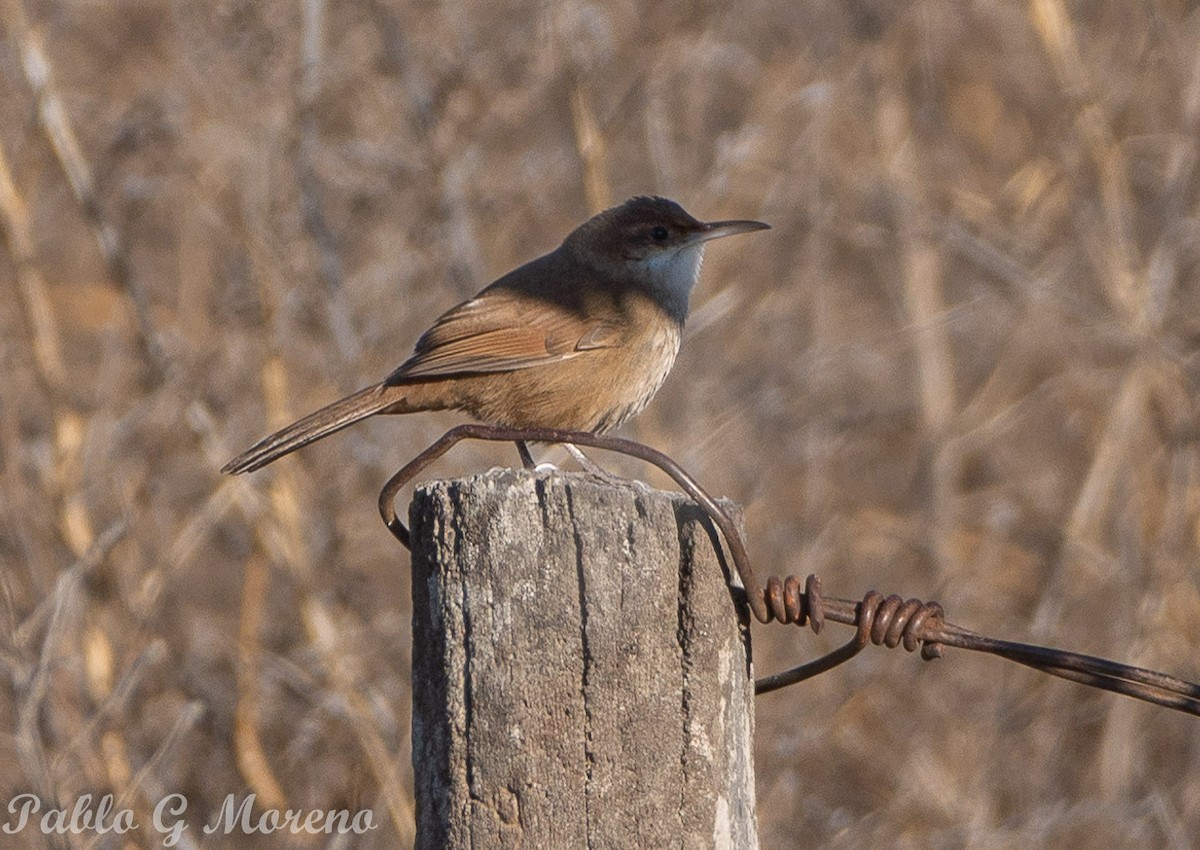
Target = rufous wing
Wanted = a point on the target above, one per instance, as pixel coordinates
(501, 332)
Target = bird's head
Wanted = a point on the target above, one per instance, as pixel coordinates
(654, 242)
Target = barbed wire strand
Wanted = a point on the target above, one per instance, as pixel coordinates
(879, 620)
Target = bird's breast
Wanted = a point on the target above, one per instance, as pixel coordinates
(637, 372)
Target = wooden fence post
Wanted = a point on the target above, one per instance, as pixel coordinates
(580, 673)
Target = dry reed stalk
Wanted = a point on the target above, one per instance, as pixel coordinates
(329, 263)
(251, 757)
(1163, 267)
(324, 632)
(37, 745)
(110, 708)
(1112, 457)
(112, 747)
(199, 525)
(74, 521)
(1120, 271)
(926, 321)
(140, 788)
(57, 127)
(31, 285)
(98, 673)
(286, 509)
(593, 152)
(281, 547)
(30, 743)
(926, 313)
(658, 129)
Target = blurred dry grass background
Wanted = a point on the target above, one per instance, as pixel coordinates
(962, 366)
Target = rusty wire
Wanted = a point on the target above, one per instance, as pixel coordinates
(888, 621)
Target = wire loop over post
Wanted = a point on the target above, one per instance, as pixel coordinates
(492, 433)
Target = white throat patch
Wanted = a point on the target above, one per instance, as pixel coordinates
(675, 275)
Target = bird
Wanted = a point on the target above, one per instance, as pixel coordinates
(579, 339)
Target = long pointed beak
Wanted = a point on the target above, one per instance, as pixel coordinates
(717, 229)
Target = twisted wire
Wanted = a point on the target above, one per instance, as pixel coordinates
(888, 621)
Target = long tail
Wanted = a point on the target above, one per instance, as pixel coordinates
(333, 417)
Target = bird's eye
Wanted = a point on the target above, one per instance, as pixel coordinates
(659, 234)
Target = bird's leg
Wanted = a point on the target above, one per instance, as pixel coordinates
(528, 462)
(590, 466)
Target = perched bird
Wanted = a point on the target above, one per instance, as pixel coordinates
(579, 339)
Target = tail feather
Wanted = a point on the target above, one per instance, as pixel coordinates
(333, 417)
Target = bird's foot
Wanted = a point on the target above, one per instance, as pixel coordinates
(591, 467)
